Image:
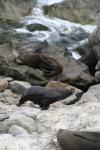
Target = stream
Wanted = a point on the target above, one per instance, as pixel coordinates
(62, 33)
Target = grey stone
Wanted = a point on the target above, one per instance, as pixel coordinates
(92, 95)
(97, 67)
(8, 97)
(37, 27)
(22, 121)
(74, 72)
(16, 130)
(97, 76)
(19, 86)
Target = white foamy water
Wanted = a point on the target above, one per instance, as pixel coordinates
(55, 25)
(22, 30)
(47, 2)
(76, 55)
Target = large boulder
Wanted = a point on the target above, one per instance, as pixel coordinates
(37, 27)
(91, 95)
(92, 56)
(81, 11)
(12, 10)
(22, 121)
(71, 99)
(74, 72)
(75, 140)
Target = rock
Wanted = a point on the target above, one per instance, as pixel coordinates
(97, 67)
(16, 130)
(7, 141)
(11, 25)
(3, 84)
(3, 114)
(82, 117)
(97, 73)
(19, 9)
(8, 97)
(21, 120)
(97, 76)
(70, 10)
(37, 27)
(94, 43)
(31, 128)
(74, 72)
(18, 87)
(59, 85)
(81, 47)
(74, 140)
(6, 35)
(92, 95)
(10, 68)
(92, 57)
(90, 60)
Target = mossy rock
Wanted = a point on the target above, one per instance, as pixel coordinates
(37, 27)
(6, 36)
(23, 35)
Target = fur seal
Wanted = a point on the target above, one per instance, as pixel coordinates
(78, 140)
(44, 96)
(48, 65)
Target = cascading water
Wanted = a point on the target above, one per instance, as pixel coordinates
(59, 29)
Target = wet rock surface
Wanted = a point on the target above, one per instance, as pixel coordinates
(70, 10)
(29, 127)
(74, 72)
(35, 27)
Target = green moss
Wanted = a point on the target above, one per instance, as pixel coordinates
(7, 21)
(84, 21)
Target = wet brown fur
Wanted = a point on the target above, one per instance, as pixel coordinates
(48, 65)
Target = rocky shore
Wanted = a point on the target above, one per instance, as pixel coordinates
(28, 127)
